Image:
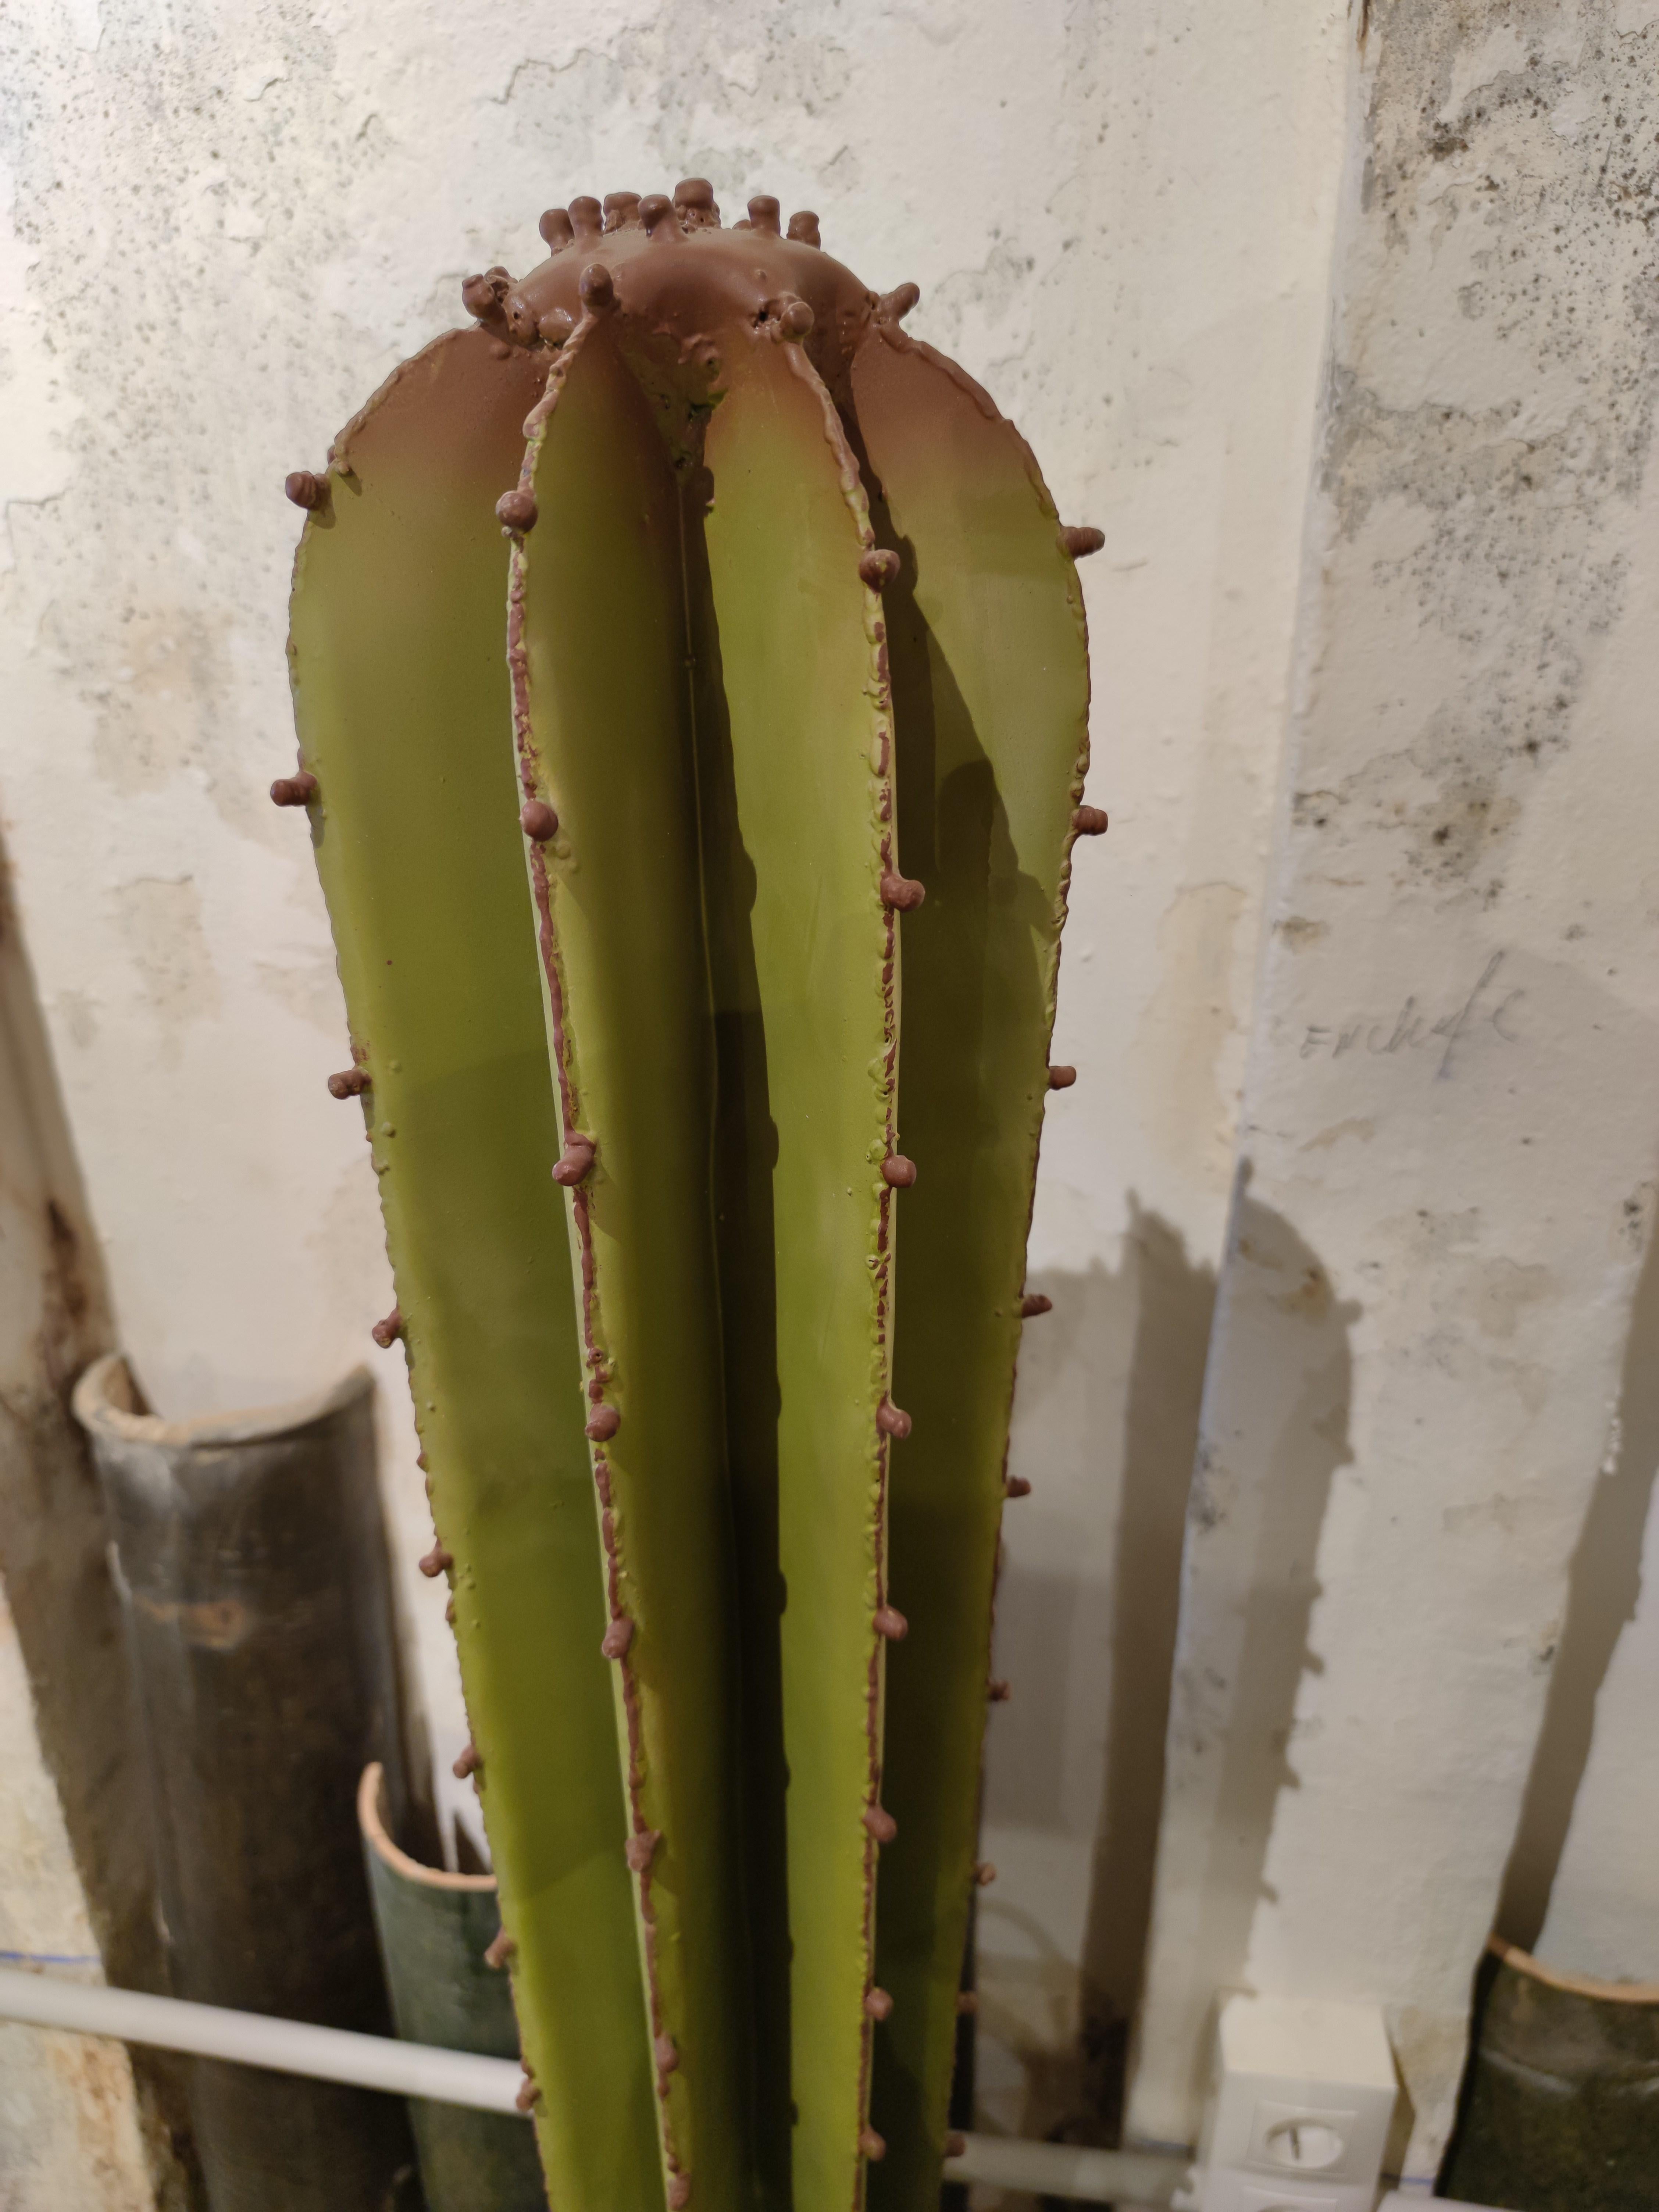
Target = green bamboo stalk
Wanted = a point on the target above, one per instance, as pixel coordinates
(402, 702)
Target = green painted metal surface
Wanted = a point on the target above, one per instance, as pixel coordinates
(991, 693)
(402, 702)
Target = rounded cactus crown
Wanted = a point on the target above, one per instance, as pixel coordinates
(669, 271)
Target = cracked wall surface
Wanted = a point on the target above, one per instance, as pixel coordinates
(1448, 1141)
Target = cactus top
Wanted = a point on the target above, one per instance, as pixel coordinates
(676, 278)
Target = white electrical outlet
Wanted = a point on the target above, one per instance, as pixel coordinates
(1300, 2102)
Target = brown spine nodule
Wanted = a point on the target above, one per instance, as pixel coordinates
(956, 2144)
(892, 1623)
(642, 1849)
(893, 306)
(435, 1562)
(880, 1823)
(879, 569)
(529, 2096)
(575, 1160)
(293, 790)
(468, 1762)
(997, 1691)
(795, 321)
(877, 2004)
(891, 1420)
(902, 893)
(967, 2003)
(350, 1083)
(616, 1638)
(539, 821)
(306, 490)
(1081, 538)
(516, 510)
(555, 229)
(871, 2144)
(804, 228)
(763, 212)
(1016, 1486)
(1090, 821)
(602, 1423)
(385, 1332)
(657, 213)
(896, 1172)
(985, 1874)
(678, 2192)
(1033, 1303)
(480, 300)
(500, 1950)
(1061, 1078)
(597, 288)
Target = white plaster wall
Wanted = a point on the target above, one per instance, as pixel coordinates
(227, 222)
(69, 2127)
(1449, 1139)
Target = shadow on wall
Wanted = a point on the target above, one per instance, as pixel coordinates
(1106, 1422)
(1274, 1431)
(1603, 1585)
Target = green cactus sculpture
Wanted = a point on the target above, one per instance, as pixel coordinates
(792, 708)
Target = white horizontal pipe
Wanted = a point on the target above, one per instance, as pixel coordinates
(1122, 2178)
(288, 2046)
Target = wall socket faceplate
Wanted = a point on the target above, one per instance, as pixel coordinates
(1300, 2102)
